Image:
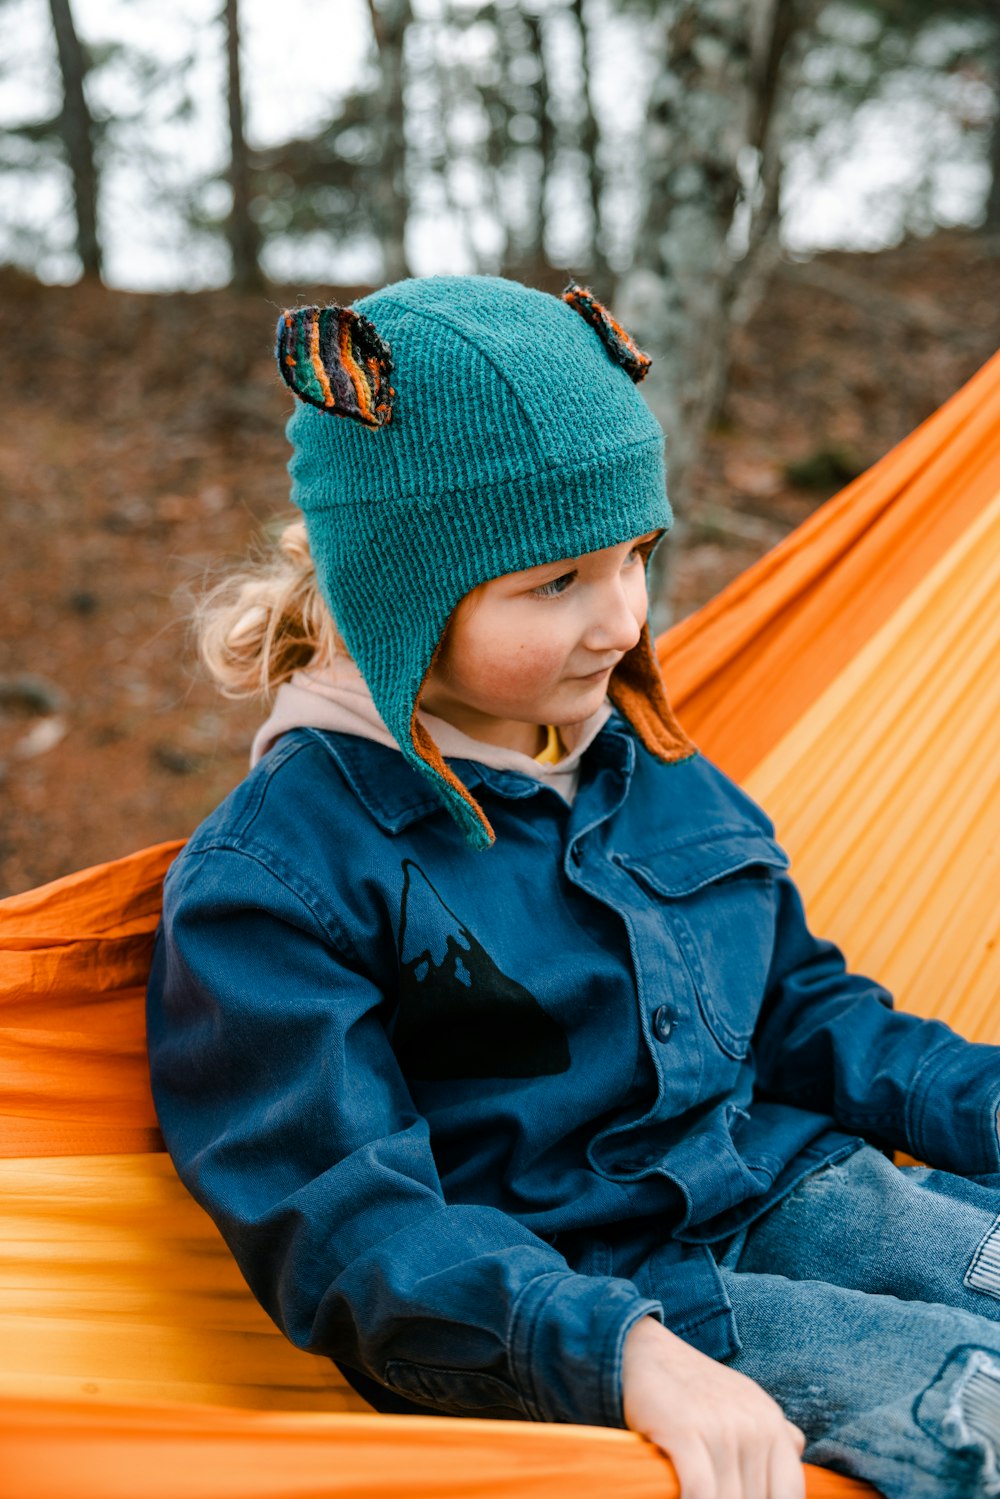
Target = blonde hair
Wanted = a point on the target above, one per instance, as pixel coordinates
(266, 621)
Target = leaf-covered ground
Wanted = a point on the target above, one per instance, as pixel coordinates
(143, 451)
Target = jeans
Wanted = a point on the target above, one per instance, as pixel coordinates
(868, 1305)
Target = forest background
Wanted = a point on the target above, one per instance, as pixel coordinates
(793, 205)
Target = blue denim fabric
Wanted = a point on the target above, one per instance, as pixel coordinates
(463, 1117)
(868, 1303)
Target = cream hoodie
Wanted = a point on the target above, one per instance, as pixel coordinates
(336, 696)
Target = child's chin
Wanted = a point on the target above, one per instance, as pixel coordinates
(585, 700)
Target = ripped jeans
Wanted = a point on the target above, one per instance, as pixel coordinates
(868, 1304)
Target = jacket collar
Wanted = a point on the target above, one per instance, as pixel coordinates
(396, 795)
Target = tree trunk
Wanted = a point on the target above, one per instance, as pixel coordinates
(390, 200)
(438, 160)
(713, 98)
(241, 229)
(534, 252)
(992, 223)
(77, 128)
(701, 115)
(589, 145)
(494, 158)
(778, 56)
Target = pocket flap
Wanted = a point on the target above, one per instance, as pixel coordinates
(685, 867)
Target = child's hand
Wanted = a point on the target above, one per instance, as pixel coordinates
(725, 1436)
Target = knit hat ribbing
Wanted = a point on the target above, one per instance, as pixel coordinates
(513, 439)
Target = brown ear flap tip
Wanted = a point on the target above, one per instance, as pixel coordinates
(637, 691)
(622, 348)
(333, 358)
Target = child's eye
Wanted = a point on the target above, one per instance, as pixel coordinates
(554, 587)
(558, 585)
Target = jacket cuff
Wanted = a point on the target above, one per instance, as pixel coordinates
(566, 1341)
(954, 1104)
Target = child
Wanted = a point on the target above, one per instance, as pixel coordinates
(484, 1017)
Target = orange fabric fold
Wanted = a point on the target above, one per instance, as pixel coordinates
(170, 1452)
(74, 958)
(743, 669)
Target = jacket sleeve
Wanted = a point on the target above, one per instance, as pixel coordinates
(831, 1040)
(287, 1117)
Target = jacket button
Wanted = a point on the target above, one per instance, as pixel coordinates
(574, 853)
(662, 1023)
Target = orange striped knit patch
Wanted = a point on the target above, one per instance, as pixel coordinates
(334, 359)
(622, 348)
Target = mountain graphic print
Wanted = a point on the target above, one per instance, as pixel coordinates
(459, 1015)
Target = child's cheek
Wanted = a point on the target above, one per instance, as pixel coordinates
(527, 669)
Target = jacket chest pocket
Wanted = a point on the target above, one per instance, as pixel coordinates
(719, 896)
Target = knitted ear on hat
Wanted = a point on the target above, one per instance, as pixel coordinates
(623, 349)
(333, 358)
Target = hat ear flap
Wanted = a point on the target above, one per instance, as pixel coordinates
(620, 346)
(333, 358)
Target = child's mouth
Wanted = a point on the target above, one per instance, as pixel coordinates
(593, 676)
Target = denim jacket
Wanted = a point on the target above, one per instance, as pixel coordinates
(464, 1117)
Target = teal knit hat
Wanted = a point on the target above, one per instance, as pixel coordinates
(512, 435)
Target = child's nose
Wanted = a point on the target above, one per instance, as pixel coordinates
(617, 624)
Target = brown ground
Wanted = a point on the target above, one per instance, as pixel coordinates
(144, 448)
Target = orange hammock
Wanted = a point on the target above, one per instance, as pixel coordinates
(850, 680)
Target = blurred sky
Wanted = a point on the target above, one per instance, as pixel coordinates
(843, 190)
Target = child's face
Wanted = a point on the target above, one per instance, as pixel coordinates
(538, 647)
